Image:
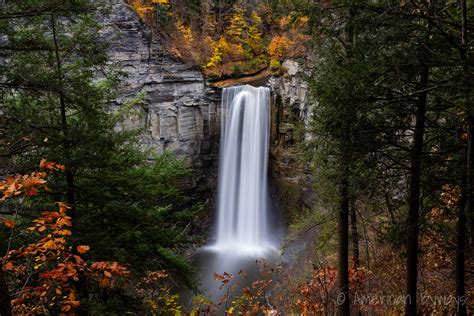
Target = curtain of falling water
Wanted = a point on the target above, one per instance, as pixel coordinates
(242, 219)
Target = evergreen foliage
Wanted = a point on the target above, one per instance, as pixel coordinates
(389, 114)
(57, 87)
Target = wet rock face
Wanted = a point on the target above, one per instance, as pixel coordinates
(291, 110)
(178, 111)
(291, 90)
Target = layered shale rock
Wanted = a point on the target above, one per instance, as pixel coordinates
(179, 112)
(291, 110)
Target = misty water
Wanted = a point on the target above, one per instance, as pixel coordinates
(243, 212)
(244, 232)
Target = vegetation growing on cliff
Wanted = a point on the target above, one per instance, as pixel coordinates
(227, 38)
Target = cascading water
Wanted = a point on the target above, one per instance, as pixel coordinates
(243, 232)
(242, 217)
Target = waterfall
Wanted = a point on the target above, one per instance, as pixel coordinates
(242, 209)
(242, 227)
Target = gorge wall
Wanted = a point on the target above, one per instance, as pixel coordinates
(291, 110)
(180, 110)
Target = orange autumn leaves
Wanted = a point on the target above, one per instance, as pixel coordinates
(319, 294)
(49, 267)
(106, 272)
(27, 185)
(82, 249)
(8, 223)
(242, 41)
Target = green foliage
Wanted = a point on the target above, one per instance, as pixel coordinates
(275, 67)
(236, 70)
(365, 87)
(56, 104)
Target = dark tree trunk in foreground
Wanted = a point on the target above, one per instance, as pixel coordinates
(343, 299)
(343, 253)
(71, 199)
(466, 195)
(5, 304)
(470, 174)
(414, 195)
(470, 126)
(460, 257)
(354, 235)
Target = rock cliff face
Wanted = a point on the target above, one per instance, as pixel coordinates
(292, 182)
(178, 112)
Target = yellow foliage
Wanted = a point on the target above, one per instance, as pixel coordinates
(237, 24)
(242, 43)
(279, 47)
(254, 34)
(220, 48)
(303, 21)
(185, 31)
(184, 40)
(161, 300)
(144, 7)
(143, 10)
(244, 35)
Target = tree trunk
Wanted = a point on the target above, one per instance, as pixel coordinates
(460, 256)
(470, 174)
(470, 126)
(64, 126)
(466, 194)
(354, 235)
(81, 285)
(5, 304)
(343, 253)
(414, 196)
(343, 299)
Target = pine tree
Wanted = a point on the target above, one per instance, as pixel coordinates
(56, 86)
(379, 69)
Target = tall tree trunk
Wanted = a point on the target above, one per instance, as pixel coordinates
(470, 174)
(343, 299)
(466, 194)
(460, 255)
(470, 125)
(5, 304)
(414, 196)
(343, 253)
(81, 285)
(64, 126)
(354, 235)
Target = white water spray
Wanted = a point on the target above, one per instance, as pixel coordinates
(242, 219)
